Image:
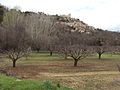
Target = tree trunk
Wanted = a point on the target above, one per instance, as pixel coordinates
(38, 50)
(14, 63)
(66, 55)
(75, 63)
(99, 55)
(118, 67)
(51, 53)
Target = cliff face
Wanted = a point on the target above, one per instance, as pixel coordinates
(75, 24)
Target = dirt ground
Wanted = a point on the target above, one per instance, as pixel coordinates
(89, 75)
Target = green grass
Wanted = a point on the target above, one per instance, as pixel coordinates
(10, 83)
(56, 56)
(105, 56)
(43, 56)
(46, 56)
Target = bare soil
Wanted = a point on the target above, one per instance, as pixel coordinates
(89, 75)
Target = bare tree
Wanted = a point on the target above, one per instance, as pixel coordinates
(102, 42)
(75, 44)
(100, 48)
(64, 42)
(51, 44)
(115, 48)
(41, 29)
(80, 47)
(78, 52)
(16, 41)
(2, 10)
(64, 35)
(1, 38)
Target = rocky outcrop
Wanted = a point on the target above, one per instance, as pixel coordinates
(74, 24)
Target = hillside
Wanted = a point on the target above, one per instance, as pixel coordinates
(66, 20)
(74, 24)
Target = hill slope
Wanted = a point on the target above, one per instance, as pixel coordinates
(75, 24)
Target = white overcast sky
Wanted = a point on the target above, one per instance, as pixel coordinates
(103, 14)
